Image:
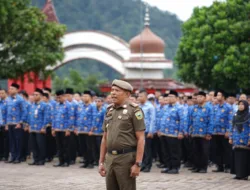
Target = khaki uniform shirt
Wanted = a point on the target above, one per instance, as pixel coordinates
(121, 123)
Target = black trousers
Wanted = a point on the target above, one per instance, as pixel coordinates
(50, 144)
(4, 143)
(172, 152)
(15, 142)
(25, 145)
(38, 146)
(222, 151)
(187, 150)
(73, 146)
(87, 146)
(147, 157)
(98, 141)
(63, 144)
(201, 152)
(157, 149)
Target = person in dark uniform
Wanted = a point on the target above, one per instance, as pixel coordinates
(123, 140)
(16, 115)
(62, 127)
(37, 122)
(4, 144)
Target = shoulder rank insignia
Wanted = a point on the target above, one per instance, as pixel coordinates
(139, 115)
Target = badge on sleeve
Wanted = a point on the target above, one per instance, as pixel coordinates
(139, 115)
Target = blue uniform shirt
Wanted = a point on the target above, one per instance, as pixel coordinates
(99, 118)
(200, 121)
(172, 123)
(223, 115)
(149, 116)
(16, 110)
(73, 107)
(84, 117)
(48, 113)
(240, 139)
(63, 115)
(3, 106)
(159, 113)
(37, 116)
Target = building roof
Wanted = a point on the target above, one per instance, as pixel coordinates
(147, 42)
(155, 84)
(50, 12)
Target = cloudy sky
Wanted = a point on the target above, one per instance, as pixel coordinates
(182, 8)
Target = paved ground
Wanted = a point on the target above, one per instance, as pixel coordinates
(24, 177)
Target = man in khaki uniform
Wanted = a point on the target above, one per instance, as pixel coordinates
(123, 140)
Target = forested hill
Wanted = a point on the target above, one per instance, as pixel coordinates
(119, 17)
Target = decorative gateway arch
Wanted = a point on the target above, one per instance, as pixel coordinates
(96, 45)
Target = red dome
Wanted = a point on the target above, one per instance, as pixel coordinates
(151, 42)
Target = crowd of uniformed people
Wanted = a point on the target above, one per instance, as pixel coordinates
(197, 130)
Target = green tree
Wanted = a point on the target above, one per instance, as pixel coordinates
(77, 82)
(214, 51)
(27, 42)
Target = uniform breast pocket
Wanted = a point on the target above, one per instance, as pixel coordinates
(124, 123)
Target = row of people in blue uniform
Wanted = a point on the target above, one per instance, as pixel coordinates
(67, 119)
(202, 122)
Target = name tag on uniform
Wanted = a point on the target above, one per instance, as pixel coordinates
(36, 112)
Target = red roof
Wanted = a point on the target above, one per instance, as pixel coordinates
(50, 12)
(154, 84)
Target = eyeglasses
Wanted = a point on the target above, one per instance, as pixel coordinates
(35, 94)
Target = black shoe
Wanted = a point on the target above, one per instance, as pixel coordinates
(196, 170)
(142, 168)
(48, 159)
(238, 178)
(33, 164)
(165, 170)
(65, 165)
(84, 166)
(218, 170)
(9, 161)
(41, 163)
(17, 162)
(227, 170)
(161, 166)
(90, 166)
(95, 163)
(72, 162)
(146, 170)
(188, 165)
(203, 171)
(173, 171)
(58, 165)
(23, 160)
(192, 169)
(4, 159)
